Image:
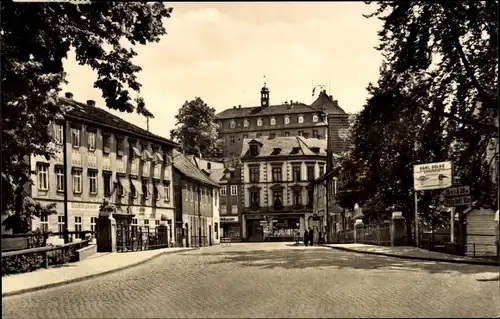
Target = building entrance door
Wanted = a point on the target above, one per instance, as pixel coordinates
(255, 231)
(210, 235)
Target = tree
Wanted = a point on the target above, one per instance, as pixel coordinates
(451, 47)
(196, 130)
(35, 38)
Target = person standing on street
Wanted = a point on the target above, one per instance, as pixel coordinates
(306, 237)
(311, 236)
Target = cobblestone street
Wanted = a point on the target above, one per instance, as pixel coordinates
(271, 280)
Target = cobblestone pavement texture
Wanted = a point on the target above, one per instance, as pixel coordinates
(271, 280)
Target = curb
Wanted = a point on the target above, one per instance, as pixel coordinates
(452, 261)
(107, 272)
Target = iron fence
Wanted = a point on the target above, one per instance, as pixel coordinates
(137, 238)
(377, 235)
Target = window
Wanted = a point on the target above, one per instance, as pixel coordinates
(223, 191)
(254, 199)
(272, 121)
(246, 123)
(301, 133)
(297, 198)
(43, 176)
(92, 182)
(157, 223)
(301, 119)
(315, 134)
(191, 193)
(119, 147)
(310, 173)
(231, 139)
(258, 135)
(277, 199)
(133, 191)
(245, 136)
(93, 221)
(146, 222)
(259, 122)
(216, 196)
(78, 225)
(286, 134)
(145, 189)
(310, 197)
(321, 170)
(106, 142)
(107, 184)
(59, 179)
(75, 137)
(166, 190)
(254, 174)
(234, 190)
(254, 150)
(296, 173)
(287, 120)
(216, 230)
(315, 118)
(234, 209)
(58, 133)
(60, 226)
(223, 210)
(185, 193)
(272, 135)
(77, 181)
(277, 174)
(91, 141)
(156, 194)
(44, 223)
(306, 135)
(232, 124)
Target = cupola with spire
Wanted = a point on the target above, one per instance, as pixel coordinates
(264, 96)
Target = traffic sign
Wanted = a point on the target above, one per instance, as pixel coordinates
(432, 176)
(457, 191)
(458, 201)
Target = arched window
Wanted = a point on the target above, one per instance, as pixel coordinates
(259, 122)
(246, 123)
(315, 118)
(287, 120)
(301, 118)
(272, 121)
(232, 124)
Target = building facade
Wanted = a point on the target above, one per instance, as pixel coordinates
(266, 120)
(194, 194)
(278, 199)
(107, 158)
(232, 201)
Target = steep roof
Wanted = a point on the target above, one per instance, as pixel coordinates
(96, 115)
(186, 167)
(255, 111)
(323, 103)
(287, 144)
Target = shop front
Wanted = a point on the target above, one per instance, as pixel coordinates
(230, 227)
(273, 227)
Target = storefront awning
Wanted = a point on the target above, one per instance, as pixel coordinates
(161, 192)
(124, 183)
(136, 152)
(158, 157)
(148, 155)
(137, 186)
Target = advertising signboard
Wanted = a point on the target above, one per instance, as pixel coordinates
(432, 176)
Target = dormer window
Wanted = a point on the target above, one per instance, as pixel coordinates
(315, 118)
(254, 150)
(276, 151)
(301, 119)
(287, 120)
(246, 123)
(232, 124)
(315, 149)
(295, 150)
(259, 122)
(272, 121)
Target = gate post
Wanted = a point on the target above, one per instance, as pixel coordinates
(359, 234)
(106, 233)
(398, 229)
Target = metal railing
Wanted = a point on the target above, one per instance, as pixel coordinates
(137, 238)
(27, 260)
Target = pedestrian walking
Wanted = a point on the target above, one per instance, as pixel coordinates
(310, 236)
(306, 237)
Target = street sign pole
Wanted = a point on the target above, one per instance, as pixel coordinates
(416, 218)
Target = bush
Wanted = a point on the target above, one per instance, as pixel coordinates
(31, 262)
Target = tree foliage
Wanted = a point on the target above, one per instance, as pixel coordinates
(35, 38)
(436, 100)
(196, 129)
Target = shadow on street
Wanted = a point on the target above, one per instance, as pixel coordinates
(324, 258)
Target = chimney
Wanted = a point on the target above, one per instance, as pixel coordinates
(286, 102)
(331, 97)
(291, 102)
(69, 95)
(234, 107)
(239, 106)
(90, 102)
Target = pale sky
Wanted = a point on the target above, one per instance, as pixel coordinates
(221, 52)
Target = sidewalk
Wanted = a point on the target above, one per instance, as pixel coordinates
(96, 265)
(407, 252)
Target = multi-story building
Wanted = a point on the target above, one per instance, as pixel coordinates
(195, 194)
(231, 201)
(285, 119)
(277, 173)
(106, 158)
